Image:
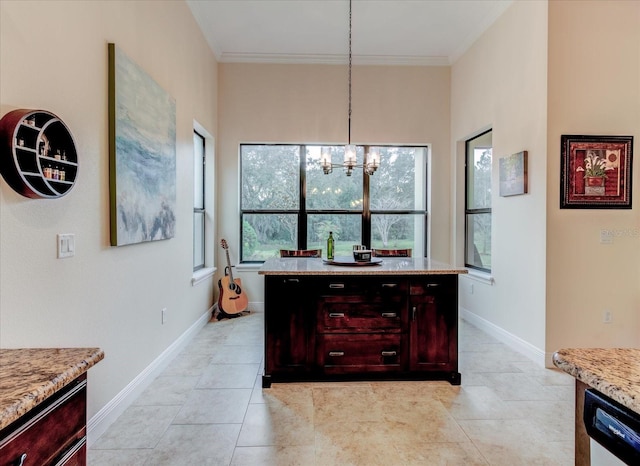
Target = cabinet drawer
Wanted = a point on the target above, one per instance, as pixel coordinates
(76, 455)
(355, 353)
(48, 430)
(354, 313)
(435, 284)
(373, 288)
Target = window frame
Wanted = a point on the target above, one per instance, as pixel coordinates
(366, 212)
(200, 210)
(468, 211)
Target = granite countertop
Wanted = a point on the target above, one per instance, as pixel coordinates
(31, 375)
(388, 266)
(614, 372)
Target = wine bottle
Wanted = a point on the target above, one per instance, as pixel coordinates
(330, 244)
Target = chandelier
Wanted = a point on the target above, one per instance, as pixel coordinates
(371, 156)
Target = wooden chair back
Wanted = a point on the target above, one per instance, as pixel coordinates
(300, 252)
(391, 252)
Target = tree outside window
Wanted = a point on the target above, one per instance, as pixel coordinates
(289, 203)
(478, 202)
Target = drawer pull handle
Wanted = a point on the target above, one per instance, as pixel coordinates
(20, 461)
(432, 285)
(389, 285)
(389, 353)
(413, 313)
(389, 314)
(336, 314)
(336, 353)
(292, 280)
(336, 285)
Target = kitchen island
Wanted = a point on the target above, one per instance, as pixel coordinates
(43, 404)
(397, 319)
(614, 372)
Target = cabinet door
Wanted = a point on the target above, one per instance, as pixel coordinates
(433, 314)
(289, 320)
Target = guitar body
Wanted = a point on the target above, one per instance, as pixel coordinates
(232, 299)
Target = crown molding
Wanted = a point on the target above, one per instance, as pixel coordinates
(339, 59)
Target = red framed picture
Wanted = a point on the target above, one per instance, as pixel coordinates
(595, 172)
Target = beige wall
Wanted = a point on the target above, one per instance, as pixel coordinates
(53, 56)
(594, 88)
(309, 103)
(500, 83)
(553, 278)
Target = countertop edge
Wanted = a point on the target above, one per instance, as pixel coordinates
(40, 393)
(338, 270)
(613, 391)
(390, 266)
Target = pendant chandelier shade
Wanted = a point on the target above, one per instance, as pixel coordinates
(371, 159)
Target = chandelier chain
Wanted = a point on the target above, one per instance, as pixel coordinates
(349, 137)
(371, 159)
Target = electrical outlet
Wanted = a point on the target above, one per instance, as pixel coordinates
(606, 237)
(164, 315)
(607, 317)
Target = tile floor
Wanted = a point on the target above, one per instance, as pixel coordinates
(208, 408)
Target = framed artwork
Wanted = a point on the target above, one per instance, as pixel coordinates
(513, 174)
(595, 172)
(142, 154)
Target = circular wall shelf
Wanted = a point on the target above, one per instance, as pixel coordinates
(38, 157)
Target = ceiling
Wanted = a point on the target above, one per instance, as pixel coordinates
(387, 32)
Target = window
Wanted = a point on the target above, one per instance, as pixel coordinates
(199, 213)
(287, 202)
(478, 202)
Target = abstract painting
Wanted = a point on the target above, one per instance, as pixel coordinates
(142, 154)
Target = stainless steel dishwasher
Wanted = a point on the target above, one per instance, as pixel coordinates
(614, 431)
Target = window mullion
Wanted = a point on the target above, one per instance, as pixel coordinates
(366, 205)
(302, 216)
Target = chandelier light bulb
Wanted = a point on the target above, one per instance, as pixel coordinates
(350, 155)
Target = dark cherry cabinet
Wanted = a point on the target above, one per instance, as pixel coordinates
(337, 327)
(54, 433)
(288, 324)
(433, 334)
(359, 325)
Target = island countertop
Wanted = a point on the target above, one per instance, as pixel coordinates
(614, 372)
(388, 266)
(31, 375)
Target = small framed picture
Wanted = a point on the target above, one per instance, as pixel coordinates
(513, 174)
(595, 172)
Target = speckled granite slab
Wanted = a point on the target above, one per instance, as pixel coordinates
(29, 376)
(615, 372)
(389, 266)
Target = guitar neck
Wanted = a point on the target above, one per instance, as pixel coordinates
(229, 265)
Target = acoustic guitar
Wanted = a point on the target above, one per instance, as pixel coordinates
(232, 300)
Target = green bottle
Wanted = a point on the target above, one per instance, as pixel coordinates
(330, 246)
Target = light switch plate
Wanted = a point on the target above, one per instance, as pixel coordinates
(66, 245)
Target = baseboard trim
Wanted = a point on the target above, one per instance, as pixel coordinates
(256, 306)
(512, 341)
(100, 422)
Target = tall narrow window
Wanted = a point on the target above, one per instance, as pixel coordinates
(478, 202)
(198, 201)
